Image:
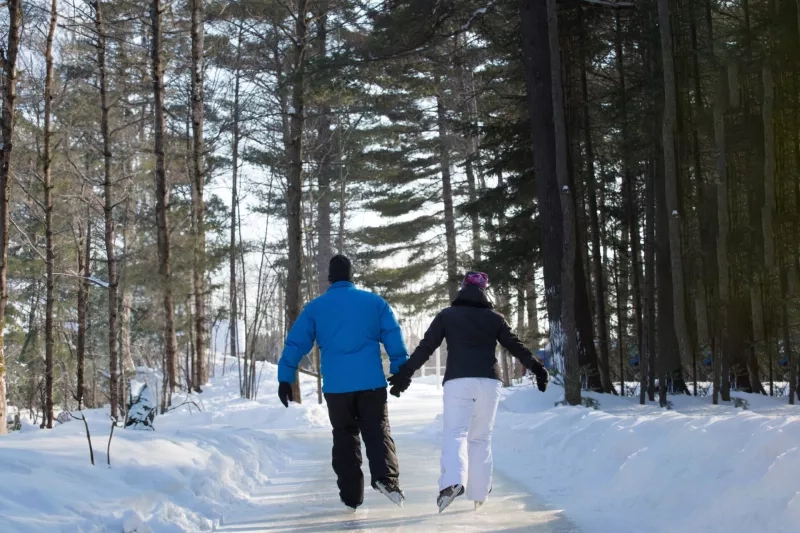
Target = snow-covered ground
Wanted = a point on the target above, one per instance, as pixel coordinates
(247, 466)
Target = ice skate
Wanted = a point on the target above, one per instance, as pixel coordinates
(447, 496)
(390, 490)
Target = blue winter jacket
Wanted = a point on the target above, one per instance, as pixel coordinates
(349, 325)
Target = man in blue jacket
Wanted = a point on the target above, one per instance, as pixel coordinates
(349, 325)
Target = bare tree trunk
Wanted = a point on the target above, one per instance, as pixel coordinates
(648, 357)
(597, 265)
(539, 90)
(723, 278)
(671, 184)
(8, 58)
(631, 217)
(48, 218)
(342, 188)
(787, 338)
(622, 310)
(572, 384)
(233, 324)
(294, 147)
(531, 306)
(468, 89)
(198, 205)
(108, 206)
(325, 151)
(447, 192)
(768, 212)
(126, 287)
(162, 201)
(85, 268)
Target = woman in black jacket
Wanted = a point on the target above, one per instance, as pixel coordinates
(472, 382)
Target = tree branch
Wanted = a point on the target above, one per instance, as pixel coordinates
(30, 243)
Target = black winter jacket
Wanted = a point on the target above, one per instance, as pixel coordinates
(472, 329)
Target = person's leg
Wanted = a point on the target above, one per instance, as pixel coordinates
(458, 404)
(346, 448)
(372, 415)
(479, 439)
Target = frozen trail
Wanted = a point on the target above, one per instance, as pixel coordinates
(304, 497)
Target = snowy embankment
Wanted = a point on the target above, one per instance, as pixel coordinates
(181, 477)
(628, 468)
(624, 468)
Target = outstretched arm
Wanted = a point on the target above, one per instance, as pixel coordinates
(392, 338)
(433, 339)
(511, 342)
(298, 343)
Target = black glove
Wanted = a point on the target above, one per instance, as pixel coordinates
(542, 378)
(285, 393)
(400, 381)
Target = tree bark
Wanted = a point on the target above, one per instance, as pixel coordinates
(473, 141)
(671, 186)
(572, 384)
(787, 337)
(531, 307)
(162, 202)
(592, 186)
(629, 192)
(108, 206)
(648, 358)
(48, 217)
(324, 156)
(522, 330)
(723, 224)
(198, 204)
(294, 148)
(768, 211)
(325, 172)
(447, 192)
(126, 289)
(233, 324)
(666, 339)
(539, 92)
(85, 268)
(9, 88)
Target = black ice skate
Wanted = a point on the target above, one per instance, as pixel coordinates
(447, 496)
(391, 490)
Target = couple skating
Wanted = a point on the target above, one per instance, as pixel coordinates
(349, 325)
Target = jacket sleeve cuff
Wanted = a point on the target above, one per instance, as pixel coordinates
(394, 366)
(286, 374)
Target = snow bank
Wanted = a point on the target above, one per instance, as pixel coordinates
(180, 477)
(697, 467)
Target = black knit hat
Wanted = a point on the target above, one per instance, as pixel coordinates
(340, 269)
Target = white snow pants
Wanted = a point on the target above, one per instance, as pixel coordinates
(470, 406)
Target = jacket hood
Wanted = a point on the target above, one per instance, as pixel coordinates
(473, 296)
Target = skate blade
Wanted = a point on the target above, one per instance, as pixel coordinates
(478, 505)
(446, 501)
(395, 497)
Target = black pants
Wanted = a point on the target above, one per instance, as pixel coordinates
(363, 412)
